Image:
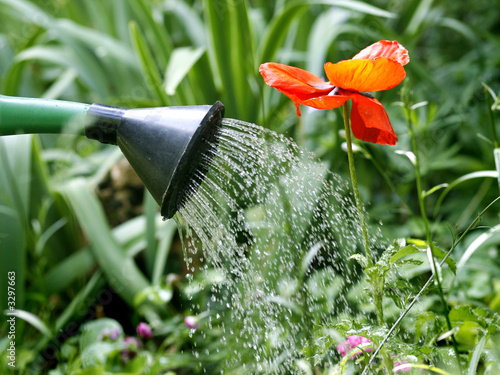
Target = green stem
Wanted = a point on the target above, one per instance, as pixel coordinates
(36, 116)
(427, 228)
(491, 117)
(354, 182)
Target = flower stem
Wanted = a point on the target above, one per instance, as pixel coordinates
(491, 118)
(355, 189)
(496, 143)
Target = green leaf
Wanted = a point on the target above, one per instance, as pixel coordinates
(462, 314)
(80, 263)
(420, 16)
(181, 61)
(490, 90)
(150, 212)
(407, 250)
(190, 19)
(108, 46)
(467, 177)
(16, 163)
(81, 302)
(166, 233)
(440, 254)
(361, 259)
(459, 27)
(160, 36)
(63, 56)
(434, 189)
(476, 356)
(12, 253)
(148, 63)
(231, 52)
(422, 246)
(32, 319)
(47, 234)
(92, 331)
(156, 294)
(357, 6)
(119, 268)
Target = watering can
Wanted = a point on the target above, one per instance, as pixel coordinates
(166, 146)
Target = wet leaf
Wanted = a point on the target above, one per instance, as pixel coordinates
(407, 250)
(157, 295)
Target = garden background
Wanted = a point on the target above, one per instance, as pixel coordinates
(87, 244)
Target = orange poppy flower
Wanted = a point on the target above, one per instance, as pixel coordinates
(377, 67)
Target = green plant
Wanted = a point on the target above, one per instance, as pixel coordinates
(55, 233)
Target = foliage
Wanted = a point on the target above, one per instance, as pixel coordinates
(72, 267)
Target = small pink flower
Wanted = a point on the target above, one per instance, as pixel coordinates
(191, 322)
(144, 330)
(351, 343)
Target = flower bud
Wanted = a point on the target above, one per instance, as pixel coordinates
(191, 322)
(144, 330)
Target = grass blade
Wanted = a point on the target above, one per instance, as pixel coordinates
(120, 270)
(476, 356)
(150, 212)
(192, 23)
(12, 253)
(147, 63)
(81, 301)
(161, 38)
(79, 304)
(231, 51)
(15, 197)
(467, 177)
(166, 237)
(86, 67)
(490, 235)
(34, 320)
(180, 63)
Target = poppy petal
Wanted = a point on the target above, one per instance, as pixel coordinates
(365, 75)
(298, 84)
(289, 79)
(385, 48)
(327, 101)
(370, 122)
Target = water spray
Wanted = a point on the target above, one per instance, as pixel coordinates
(164, 145)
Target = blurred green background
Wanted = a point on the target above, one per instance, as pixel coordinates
(86, 241)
